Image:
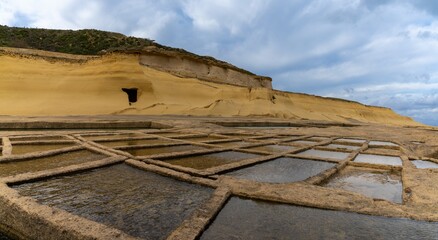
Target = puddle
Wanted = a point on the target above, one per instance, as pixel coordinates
(369, 182)
(378, 159)
(339, 146)
(282, 170)
(424, 164)
(264, 220)
(303, 142)
(234, 144)
(324, 154)
(380, 143)
(160, 150)
(211, 160)
(23, 149)
(44, 163)
(135, 142)
(274, 148)
(351, 140)
(142, 204)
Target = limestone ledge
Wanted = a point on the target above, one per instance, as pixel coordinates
(204, 68)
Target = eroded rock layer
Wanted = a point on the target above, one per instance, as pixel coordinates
(40, 83)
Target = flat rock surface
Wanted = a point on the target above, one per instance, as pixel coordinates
(173, 193)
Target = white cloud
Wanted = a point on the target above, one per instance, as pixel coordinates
(6, 12)
(224, 15)
(43, 13)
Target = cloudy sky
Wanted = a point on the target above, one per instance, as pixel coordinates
(378, 52)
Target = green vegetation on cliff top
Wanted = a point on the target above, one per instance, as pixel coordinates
(86, 41)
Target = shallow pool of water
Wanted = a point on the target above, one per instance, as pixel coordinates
(380, 143)
(340, 146)
(140, 203)
(274, 148)
(282, 170)
(36, 138)
(112, 136)
(324, 154)
(234, 144)
(303, 142)
(135, 142)
(352, 140)
(211, 160)
(369, 182)
(44, 163)
(424, 164)
(249, 219)
(23, 149)
(378, 159)
(160, 150)
(319, 139)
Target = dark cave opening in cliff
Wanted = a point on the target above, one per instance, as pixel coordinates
(132, 94)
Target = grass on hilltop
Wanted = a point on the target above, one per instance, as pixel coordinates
(86, 41)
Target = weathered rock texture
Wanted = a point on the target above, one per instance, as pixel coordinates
(35, 83)
(203, 68)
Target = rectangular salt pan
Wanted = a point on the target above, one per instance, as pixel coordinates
(36, 138)
(142, 204)
(211, 160)
(339, 146)
(112, 136)
(233, 144)
(274, 148)
(162, 150)
(23, 149)
(249, 219)
(44, 163)
(324, 154)
(370, 182)
(424, 164)
(351, 140)
(282, 170)
(304, 142)
(380, 143)
(135, 142)
(319, 139)
(378, 159)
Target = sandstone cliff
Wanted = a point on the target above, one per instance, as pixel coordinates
(40, 83)
(193, 66)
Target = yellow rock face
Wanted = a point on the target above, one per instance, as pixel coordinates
(32, 85)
